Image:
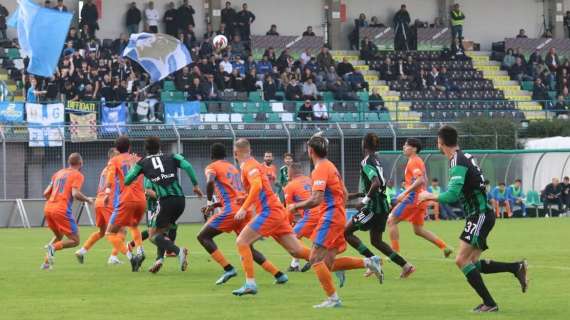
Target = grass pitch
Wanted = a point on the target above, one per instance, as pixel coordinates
(437, 290)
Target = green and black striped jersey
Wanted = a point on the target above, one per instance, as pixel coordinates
(151, 203)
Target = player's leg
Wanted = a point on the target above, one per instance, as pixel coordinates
(206, 238)
(417, 220)
(172, 234)
(51, 246)
(508, 208)
(322, 260)
(354, 241)
(259, 258)
(171, 209)
(393, 231)
(496, 207)
(243, 242)
(376, 240)
(93, 238)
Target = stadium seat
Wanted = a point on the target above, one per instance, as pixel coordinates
(169, 86)
(533, 200)
(255, 96)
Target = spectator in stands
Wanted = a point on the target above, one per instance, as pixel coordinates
(226, 65)
(305, 56)
(320, 111)
(375, 23)
(356, 81)
(244, 20)
(457, 51)
(325, 59)
(238, 81)
(387, 70)
(52, 89)
(169, 20)
(308, 32)
(209, 88)
(457, 18)
(134, 18)
(73, 36)
(305, 112)
(272, 31)
(368, 50)
(151, 18)
(285, 60)
(238, 46)
(522, 34)
(270, 89)
(33, 93)
(401, 70)
(540, 92)
(250, 63)
(89, 17)
(68, 92)
(224, 31)
(329, 78)
(501, 199)
(195, 90)
(552, 194)
(401, 23)
(293, 91)
(551, 60)
(3, 15)
(271, 57)
(518, 71)
(434, 80)
(567, 23)
(562, 106)
(183, 79)
(185, 16)
(508, 59)
(309, 90)
(239, 65)
(375, 102)
(518, 54)
(229, 17)
(535, 58)
(60, 6)
(251, 80)
(354, 35)
(264, 66)
(342, 90)
(421, 81)
(566, 193)
(440, 208)
(344, 67)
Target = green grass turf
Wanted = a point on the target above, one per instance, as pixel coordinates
(437, 290)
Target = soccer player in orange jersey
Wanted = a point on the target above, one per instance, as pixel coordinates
(64, 187)
(129, 202)
(408, 206)
(329, 196)
(102, 216)
(223, 179)
(270, 168)
(304, 220)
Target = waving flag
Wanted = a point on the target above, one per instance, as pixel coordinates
(41, 34)
(159, 54)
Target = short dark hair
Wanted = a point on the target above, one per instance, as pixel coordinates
(519, 180)
(218, 151)
(287, 154)
(502, 183)
(415, 143)
(123, 144)
(319, 145)
(448, 136)
(434, 180)
(152, 145)
(566, 178)
(371, 142)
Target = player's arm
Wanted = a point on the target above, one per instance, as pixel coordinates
(420, 180)
(210, 184)
(454, 187)
(187, 167)
(111, 173)
(317, 197)
(148, 191)
(47, 191)
(255, 185)
(133, 174)
(76, 185)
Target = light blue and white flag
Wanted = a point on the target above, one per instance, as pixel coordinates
(41, 35)
(45, 124)
(182, 113)
(159, 54)
(114, 119)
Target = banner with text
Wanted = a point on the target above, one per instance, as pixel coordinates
(45, 124)
(78, 106)
(11, 112)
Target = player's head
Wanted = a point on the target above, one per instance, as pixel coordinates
(75, 160)
(412, 147)
(123, 144)
(371, 142)
(112, 152)
(288, 158)
(518, 183)
(317, 147)
(555, 181)
(152, 145)
(268, 157)
(242, 149)
(295, 170)
(502, 185)
(218, 151)
(434, 182)
(446, 138)
(566, 180)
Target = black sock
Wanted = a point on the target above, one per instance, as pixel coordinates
(159, 253)
(144, 235)
(476, 281)
(490, 266)
(165, 244)
(172, 232)
(228, 267)
(278, 274)
(397, 259)
(364, 250)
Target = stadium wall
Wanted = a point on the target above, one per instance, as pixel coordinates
(487, 20)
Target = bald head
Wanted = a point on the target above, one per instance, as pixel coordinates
(75, 160)
(112, 152)
(242, 149)
(295, 170)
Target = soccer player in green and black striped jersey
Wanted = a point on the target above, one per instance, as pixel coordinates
(373, 208)
(161, 170)
(467, 185)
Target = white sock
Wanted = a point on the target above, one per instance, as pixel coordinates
(333, 296)
(294, 262)
(129, 255)
(140, 250)
(82, 251)
(250, 281)
(113, 257)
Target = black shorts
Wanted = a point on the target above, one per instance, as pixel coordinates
(168, 211)
(477, 229)
(365, 220)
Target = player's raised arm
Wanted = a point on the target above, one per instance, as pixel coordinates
(133, 174)
(455, 185)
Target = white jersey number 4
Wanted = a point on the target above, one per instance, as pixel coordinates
(157, 164)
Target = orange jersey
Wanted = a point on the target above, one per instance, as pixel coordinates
(117, 169)
(270, 172)
(227, 181)
(326, 178)
(267, 199)
(60, 199)
(101, 190)
(297, 190)
(414, 170)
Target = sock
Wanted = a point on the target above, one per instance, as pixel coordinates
(172, 232)
(93, 238)
(159, 253)
(305, 253)
(270, 267)
(82, 250)
(294, 263)
(364, 250)
(117, 243)
(397, 259)
(474, 278)
(220, 259)
(441, 244)
(396, 245)
(325, 278)
(136, 234)
(347, 263)
(114, 252)
(144, 235)
(246, 261)
(165, 244)
(58, 245)
(490, 266)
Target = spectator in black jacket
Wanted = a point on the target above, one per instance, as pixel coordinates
(309, 32)
(229, 18)
(250, 80)
(209, 88)
(272, 31)
(60, 6)
(551, 60)
(421, 81)
(540, 92)
(368, 50)
(344, 67)
(169, 20)
(293, 91)
(185, 16)
(305, 112)
(182, 79)
(518, 71)
(535, 58)
(342, 91)
(244, 20)
(89, 17)
(387, 70)
(375, 102)
(3, 16)
(134, 18)
(552, 194)
(195, 90)
(566, 193)
(270, 89)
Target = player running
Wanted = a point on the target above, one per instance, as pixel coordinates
(373, 208)
(102, 216)
(329, 197)
(64, 187)
(161, 170)
(223, 179)
(466, 185)
(408, 206)
(129, 203)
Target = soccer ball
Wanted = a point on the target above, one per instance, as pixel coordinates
(220, 42)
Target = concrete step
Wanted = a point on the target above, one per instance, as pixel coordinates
(508, 87)
(406, 116)
(506, 83)
(361, 67)
(348, 57)
(381, 88)
(344, 52)
(371, 77)
(497, 77)
(377, 83)
(488, 68)
(518, 97)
